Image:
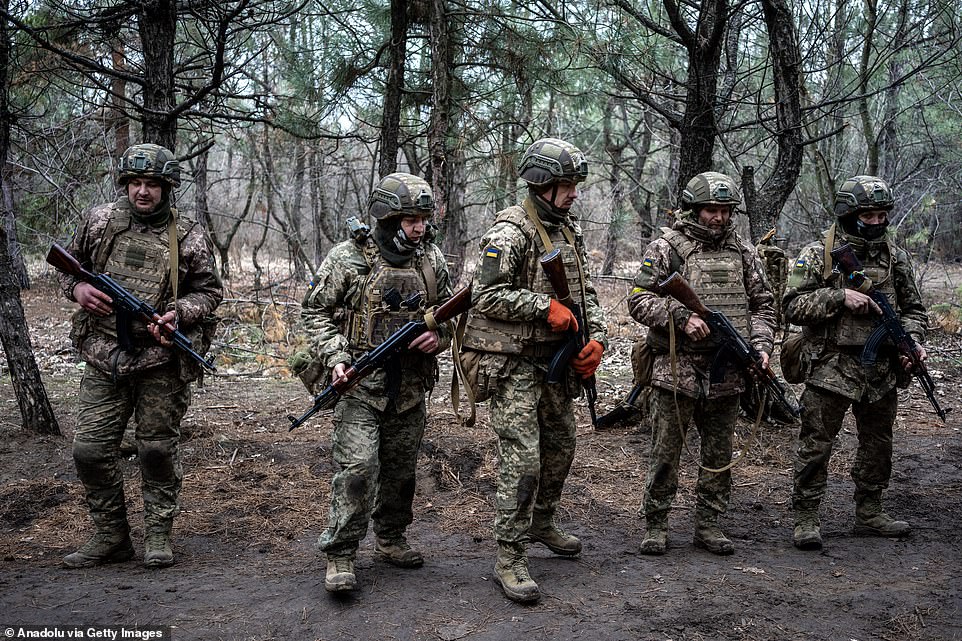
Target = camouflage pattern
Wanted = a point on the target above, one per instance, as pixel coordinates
(376, 453)
(863, 193)
(157, 400)
(659, 261)
(199, 289)
(714, 419)
(836, 378)
(376, 439)
(401, 194)
(150, 385)
(822, 415)
(550, 160)
(534, 421)
(149, 161)
(710, 188)
(536, 444)
(775, 261)
(338, 287)
(817, 305)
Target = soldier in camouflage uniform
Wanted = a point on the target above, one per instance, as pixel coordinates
(728, 276)
(836, 322)
(367, 288)
(515, 327)
(131, 239)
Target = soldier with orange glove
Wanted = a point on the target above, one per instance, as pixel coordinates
(515, 327)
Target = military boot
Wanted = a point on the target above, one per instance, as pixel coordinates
(396, 551)
(340, 574)
(107, 545)
(807, 534)
(709, 536)
(656, 536)
(511, 572)
(554, 538)
(871, 520)
(157, 552)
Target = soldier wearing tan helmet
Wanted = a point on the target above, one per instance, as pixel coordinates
(165, 258)
(368, 287)
(836, 321)
(726, 273)
(516, 326)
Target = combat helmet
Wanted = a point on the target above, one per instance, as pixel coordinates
(401, 194)
(551, 160)
(710, 188)
(147, 160)
(862, 193)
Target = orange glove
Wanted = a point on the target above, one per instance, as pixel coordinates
(588, 359)
(560, 318)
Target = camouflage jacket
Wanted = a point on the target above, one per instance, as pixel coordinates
(817, 303)
(500, 289)
(198, 295)
(694, 368)
(339, 280)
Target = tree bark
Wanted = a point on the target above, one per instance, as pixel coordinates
(157, 24)
(35, 409)
(394, 89)
(764, 210)
(449, 212)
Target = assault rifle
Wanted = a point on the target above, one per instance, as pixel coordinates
(732, 344)
(393, 345)
(888, 325)
(553, 266)
(125, 304)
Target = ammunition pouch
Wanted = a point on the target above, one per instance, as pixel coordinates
(794, 359)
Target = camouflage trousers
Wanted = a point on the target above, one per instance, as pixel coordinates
(376, 454)
(822, 416)
(157, 399)
(715, 421)
(535, 425)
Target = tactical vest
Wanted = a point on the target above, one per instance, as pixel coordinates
(140, 262)
(371, 315)
(852, 330)
(533, 338)
(718, 277)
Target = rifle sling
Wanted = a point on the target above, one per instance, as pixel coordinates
(549, 247)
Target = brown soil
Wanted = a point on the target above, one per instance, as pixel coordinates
(255, 499)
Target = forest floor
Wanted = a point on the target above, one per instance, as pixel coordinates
(255, 498)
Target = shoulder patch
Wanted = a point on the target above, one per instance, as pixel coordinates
(492, 252)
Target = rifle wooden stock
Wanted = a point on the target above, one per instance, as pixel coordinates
(553, 265)
(729, 340)
(123, 301)
(393, 345)
(678, 288)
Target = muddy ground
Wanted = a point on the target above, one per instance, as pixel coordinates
(255, 499)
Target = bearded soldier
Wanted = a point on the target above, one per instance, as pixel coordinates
(165, 258)
(515, 328)
(367, 288)
(836, 321)
(727, 275)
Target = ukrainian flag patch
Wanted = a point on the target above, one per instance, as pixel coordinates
(801, 262)
(492, 252)
(646, 262)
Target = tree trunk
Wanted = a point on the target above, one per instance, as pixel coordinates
(442, 68)
(698, 127)
(394, 89)
(157, 24)
(35, 410)
(786, 64)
